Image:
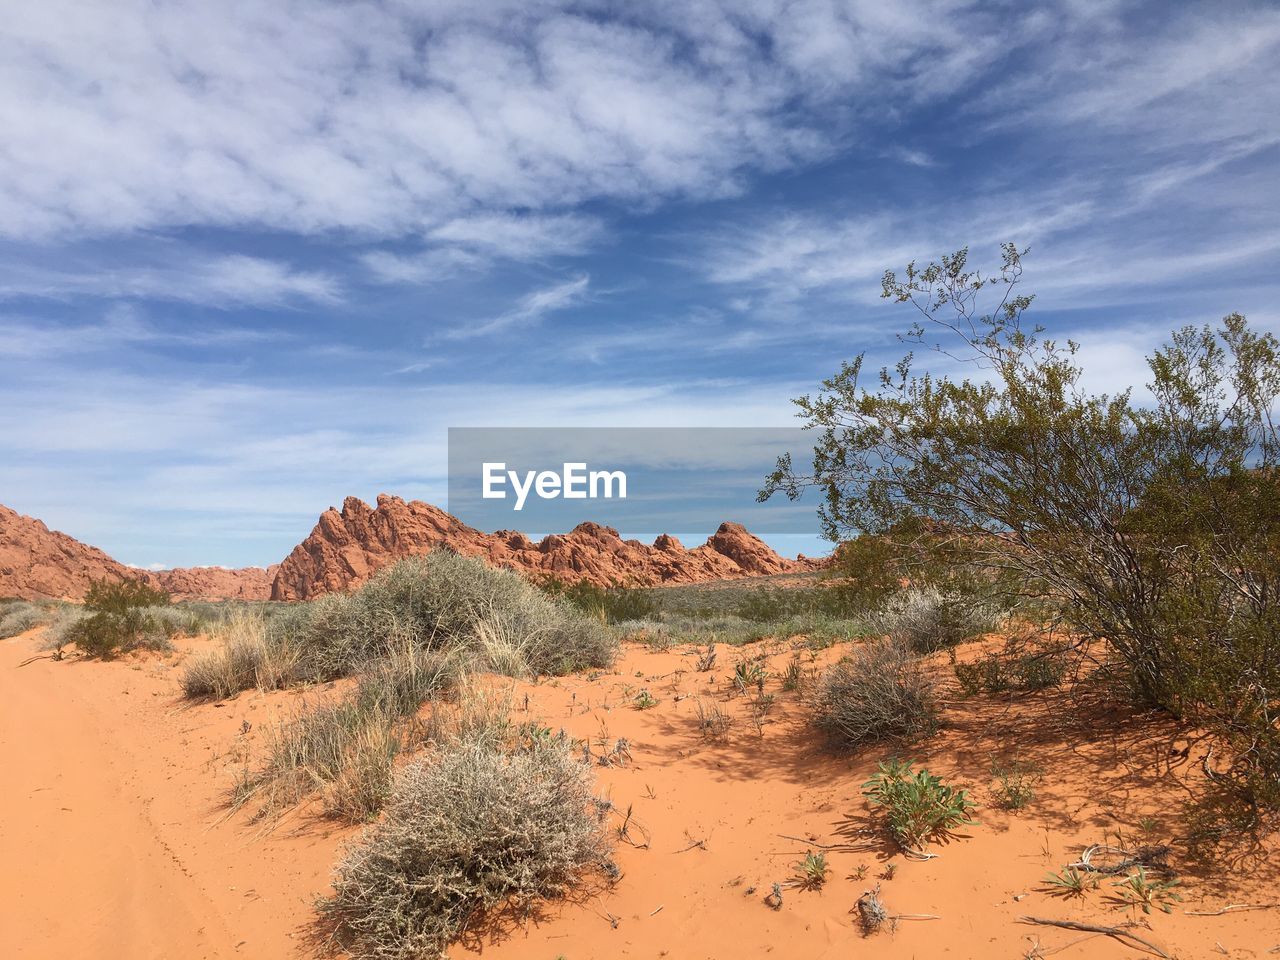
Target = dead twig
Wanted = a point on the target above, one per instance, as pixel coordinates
(1117, 933)
(1231, 908)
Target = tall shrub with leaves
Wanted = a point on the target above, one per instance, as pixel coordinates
(1151, 527)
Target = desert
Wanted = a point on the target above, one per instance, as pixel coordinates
(586, 480)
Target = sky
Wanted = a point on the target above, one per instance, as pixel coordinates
(257, 257)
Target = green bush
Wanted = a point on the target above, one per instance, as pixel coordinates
(469, 831)
(1149, 528)
(878, 691)
(918, 806)
(119, 619)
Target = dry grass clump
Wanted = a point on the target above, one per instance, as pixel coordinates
(925, 619)
(879, 691)
(470, 830)
(249, 657)
(345, 750)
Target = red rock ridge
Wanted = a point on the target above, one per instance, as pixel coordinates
(349, 546)
(39, 563)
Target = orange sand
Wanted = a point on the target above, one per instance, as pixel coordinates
(115, 843)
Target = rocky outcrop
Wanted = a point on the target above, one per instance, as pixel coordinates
(349, 546)
(39, 563)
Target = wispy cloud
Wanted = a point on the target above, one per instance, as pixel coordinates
(230, 280)
(531, 309)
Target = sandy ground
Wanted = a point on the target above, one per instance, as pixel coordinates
(115, 842)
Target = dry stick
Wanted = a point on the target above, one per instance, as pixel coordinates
(915, 916)
(1231, 908)
(1119, 933)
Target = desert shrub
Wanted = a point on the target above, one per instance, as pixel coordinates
(469, 831)
(878, 691)
(444, 601)
(917, 805)
(925, 619)
(249, 657)
(21, 616)
(1148, 528)
(119, 619)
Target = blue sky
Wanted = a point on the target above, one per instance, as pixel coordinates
(255, 257)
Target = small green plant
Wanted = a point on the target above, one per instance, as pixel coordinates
(859, 872)
(918, 805)
(811, 872)
(793, 676)
(1015, 783)
(1071, 882)
(748, 674)
(644, 700)
(890, 871)
(707, 659)
(774, 899)
(1141, 892)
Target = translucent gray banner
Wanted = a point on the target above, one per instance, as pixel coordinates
(640, 480)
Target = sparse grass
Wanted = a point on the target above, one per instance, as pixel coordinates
(21, 616)
(345, 750)
(470, 831)
(713, 722)
(249, 657)
(917, 805)
(925, 619)
(877, 692)
(1016, 781)
(1018, 667)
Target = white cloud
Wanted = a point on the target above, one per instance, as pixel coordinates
(530, 310)
(223, 281)
(476, 241)
(391, 120)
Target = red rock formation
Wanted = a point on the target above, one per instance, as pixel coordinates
(36, 562)
(349, 546)
(215, 583)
